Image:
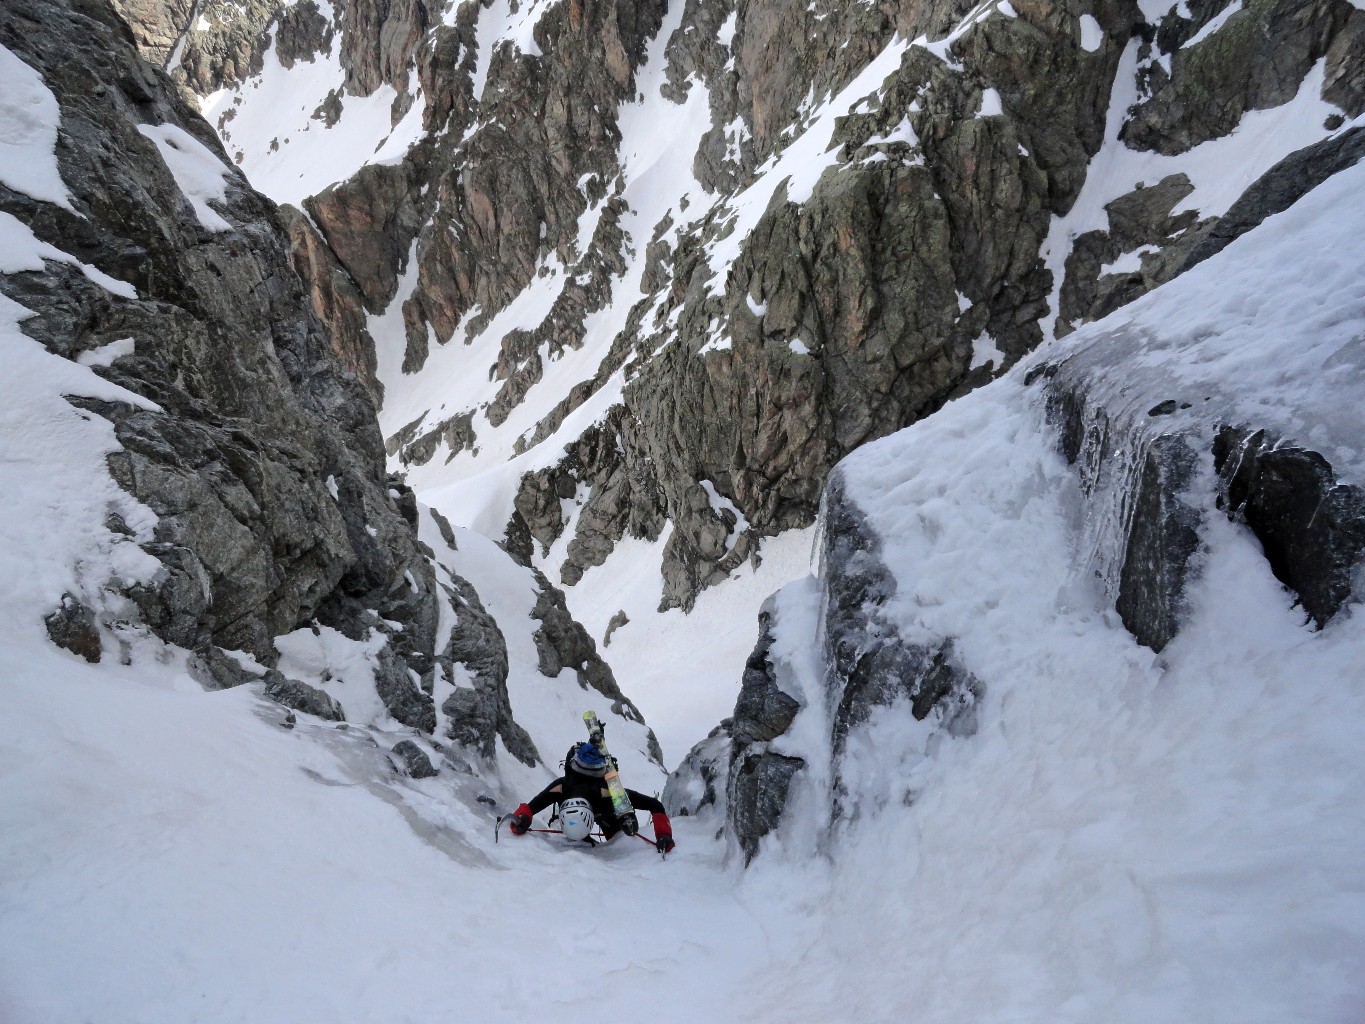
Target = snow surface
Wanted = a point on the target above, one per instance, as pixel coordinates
(197, 171)
(1127, 838)
(268, 123)
(1092, 35)
(29, 116)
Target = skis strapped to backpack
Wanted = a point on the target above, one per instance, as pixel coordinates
(620, 802)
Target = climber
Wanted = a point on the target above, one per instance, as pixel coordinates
(583, 801)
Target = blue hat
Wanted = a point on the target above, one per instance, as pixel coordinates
(588, 760)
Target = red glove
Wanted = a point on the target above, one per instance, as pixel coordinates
(663, 832)
(520, 822)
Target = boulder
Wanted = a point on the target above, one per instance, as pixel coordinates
(301, 697)
(412, 760)
(74, 627)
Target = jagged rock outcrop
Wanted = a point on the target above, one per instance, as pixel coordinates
(1202, 84)
(1143, 473)
(261, 457)
(620, 497)
(869, 665)
(412, 760)
(920, 264)
(867, 668)
(156, 24)
(300, 696)
(1280, 188)
(1151, 463)
(478, 712)
(73, 625)
(1310, 524)
(225, 43)
(759, 777)
(562, 642)
(696, 788)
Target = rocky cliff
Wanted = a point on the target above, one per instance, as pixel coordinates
(634, 277)
(859, 212)
(286, 554)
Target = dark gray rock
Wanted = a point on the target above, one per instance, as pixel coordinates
(562, 642)
(336, 299)
(697, 787)
(1140, 220)
(1143, 475)
(412, 760)
(73, 626)
(215, 669)
(617, 621)
(1148, 465)
(1280, 188)
(301, 697)
(1256, 60)
(763, 711)
(758, 778)
(478, 713)
(1310, 524)
(622, 497)
(403, 696)
(1344, 84)
(262, 462)
(759, 786)
(1162, 542)
(379, 41)
(226, 49)
(869, 665)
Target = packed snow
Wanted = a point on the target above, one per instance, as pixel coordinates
(197, 170)
(28, 133)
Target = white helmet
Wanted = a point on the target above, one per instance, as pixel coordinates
(575, 815)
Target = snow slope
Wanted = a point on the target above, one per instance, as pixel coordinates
(1127, 838)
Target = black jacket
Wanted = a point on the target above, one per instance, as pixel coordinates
(594, 790)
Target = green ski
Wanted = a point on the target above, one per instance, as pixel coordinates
(620, 802)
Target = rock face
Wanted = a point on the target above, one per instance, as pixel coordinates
(74, 626)
(263, 463)
(759, 777)
(275, 521)
(474, 657)
(796, 729)
(697, 787)
(1310, 524)
(765, 319)
(1144, 472)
